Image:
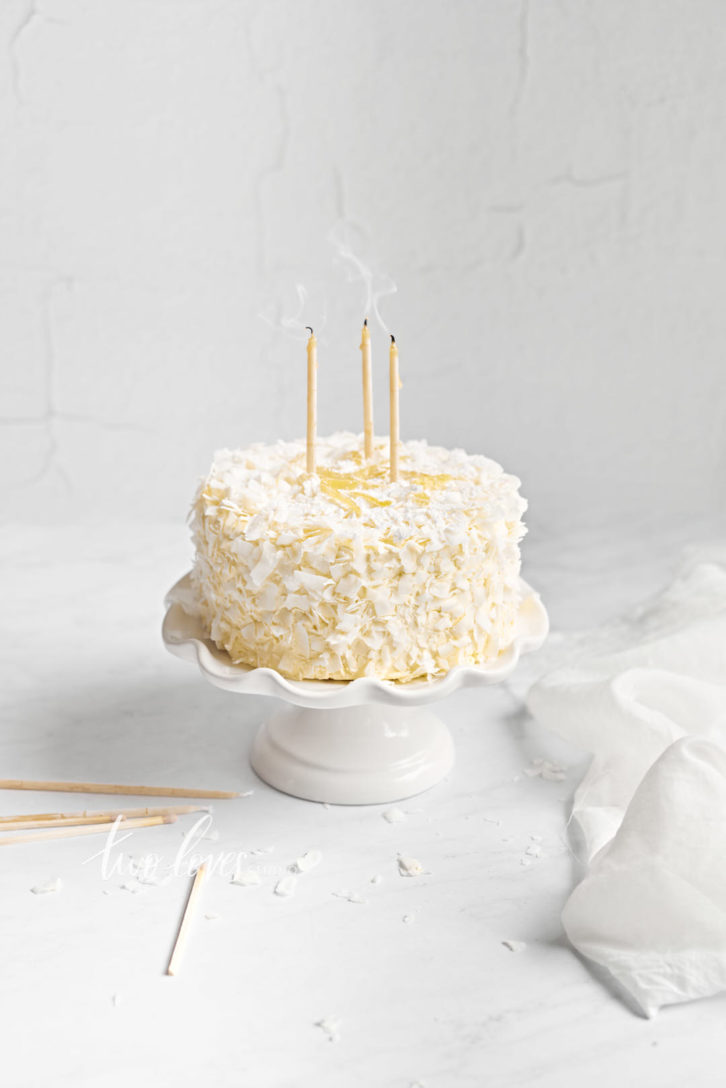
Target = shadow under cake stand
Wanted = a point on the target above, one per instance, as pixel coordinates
(363, 741)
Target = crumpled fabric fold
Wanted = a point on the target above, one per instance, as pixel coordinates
(648, 699)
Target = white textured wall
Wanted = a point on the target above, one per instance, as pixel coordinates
(545, 181)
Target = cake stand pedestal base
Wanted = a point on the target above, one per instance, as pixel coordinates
(361, 742)
(360, 755)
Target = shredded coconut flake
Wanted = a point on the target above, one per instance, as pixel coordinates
(308, 861)
(410, 867)
(350, 897)
(53, 885)
(331, 1026)
(246, 878)
(546, 769)
(286, 887)
(515, 946)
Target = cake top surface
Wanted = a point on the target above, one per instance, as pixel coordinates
(440, 493)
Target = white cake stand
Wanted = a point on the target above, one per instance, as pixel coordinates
(355, 742)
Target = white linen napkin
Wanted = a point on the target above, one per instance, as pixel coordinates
(652, 806)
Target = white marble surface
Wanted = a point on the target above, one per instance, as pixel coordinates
(88, 692)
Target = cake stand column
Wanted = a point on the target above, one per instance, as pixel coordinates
(358, 755)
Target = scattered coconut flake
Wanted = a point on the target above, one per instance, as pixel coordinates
(410, 867)
(53, 885)
(308, 861)
(408, 918)
(394, 815)
(546, 769)
(116, 1000)
(376, 879)
(267, 850)
(492, 820)
(331, 1026)
(134, 888)
(246, 878)
(286, 886)
(143, 867)
(211, 916)
(536, 838)
(515, 946)
(350, 897)
(212, 835)
(533, 851)
(247, 793)
(151, 880)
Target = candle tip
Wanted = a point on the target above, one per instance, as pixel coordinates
(393, 339)
(311, 331)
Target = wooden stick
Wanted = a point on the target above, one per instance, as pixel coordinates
(365, 347)
(69, 819)
(106, 814)
(394, 386)
(183, 931)
(91, 829)
(107, 787)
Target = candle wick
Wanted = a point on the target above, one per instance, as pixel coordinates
(308, 327)
(365, 321)
(393, 339)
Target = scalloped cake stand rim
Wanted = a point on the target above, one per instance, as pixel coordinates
(184, 637)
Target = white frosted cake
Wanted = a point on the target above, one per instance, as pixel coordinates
(342, 573)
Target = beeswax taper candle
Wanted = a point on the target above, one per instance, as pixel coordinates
(394, 387)
(365, 347)
(312, 400)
